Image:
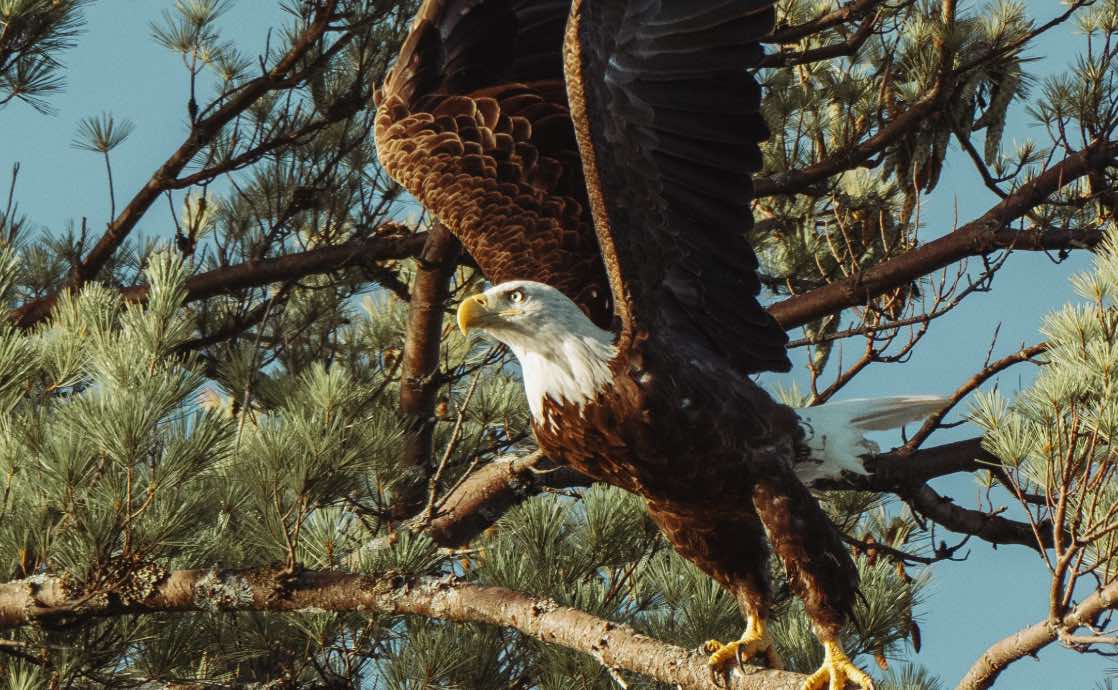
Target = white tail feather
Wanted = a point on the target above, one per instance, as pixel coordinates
(836, 431)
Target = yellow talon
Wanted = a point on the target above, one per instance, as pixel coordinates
(837, 670)
(755, 640)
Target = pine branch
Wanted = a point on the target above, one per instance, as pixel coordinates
(977, 238)
(494, 489)
(1028, 641)
(46, 601)
(419, 382)
(849, 47)
(799, 181)
(484, 497)
(202, 133)
(1025, 354)
(851, 11)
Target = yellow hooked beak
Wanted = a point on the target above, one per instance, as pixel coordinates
(472, 311)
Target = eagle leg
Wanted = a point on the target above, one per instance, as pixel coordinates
(837, 670)
(755, 640)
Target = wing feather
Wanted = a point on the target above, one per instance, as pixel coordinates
(669, 139)
(473, 121)
(648, 117)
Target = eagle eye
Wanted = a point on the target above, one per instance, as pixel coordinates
(516, 296)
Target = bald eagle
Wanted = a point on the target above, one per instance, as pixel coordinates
(594, 157)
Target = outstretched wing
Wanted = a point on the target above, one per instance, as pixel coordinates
(668, 122)
(473, 121)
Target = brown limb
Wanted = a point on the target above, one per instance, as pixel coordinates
(45, 600)
(419, 381)
(977, 238)
(246, 158)
(932, 423)
(1030, 640)
(828, 52)
(991, 528)
(489, 493)
(797, 181)
(477, 503)
(900, 469)
(283, 268)
(851, 11)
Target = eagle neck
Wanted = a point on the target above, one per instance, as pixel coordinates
(570, 368)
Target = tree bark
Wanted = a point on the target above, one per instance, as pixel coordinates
(250, 274)
(419, 382)
(45, 600)
(494, 489)
(293, 266)
(990, 528)
(480, 501)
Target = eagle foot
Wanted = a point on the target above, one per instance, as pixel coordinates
(754, 641)
(837, 670)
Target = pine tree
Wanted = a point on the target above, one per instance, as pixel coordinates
(253, 453)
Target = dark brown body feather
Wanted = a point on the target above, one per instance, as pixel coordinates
(629, 190)
(711, 454)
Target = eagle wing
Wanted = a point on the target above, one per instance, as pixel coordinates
(637, 191)
(667, 117)
(473, 121)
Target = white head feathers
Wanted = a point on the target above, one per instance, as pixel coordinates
(562, 354)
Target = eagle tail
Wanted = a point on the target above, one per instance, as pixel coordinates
(836, 432)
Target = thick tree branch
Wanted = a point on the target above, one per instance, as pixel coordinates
(979, 237)
(898, 469)
(479, 502)
(991, 528)
(1030, 640)
(494, 489)
(904, 473)
(202, 132)
(293, 266)
(251, 274)
(419, 381)
(45, 600)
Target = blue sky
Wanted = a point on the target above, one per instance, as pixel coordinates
(118, 68)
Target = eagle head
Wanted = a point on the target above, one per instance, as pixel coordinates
(562, 354)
